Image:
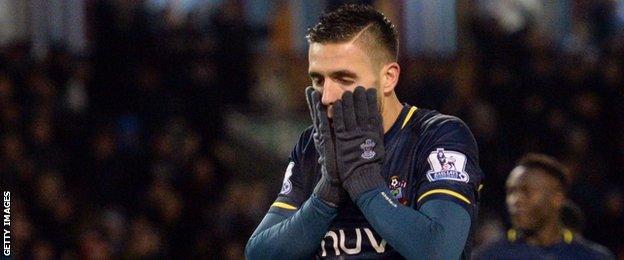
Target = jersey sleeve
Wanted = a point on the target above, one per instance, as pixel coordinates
(451, 169)
(294, 191)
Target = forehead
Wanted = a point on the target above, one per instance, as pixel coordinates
(521, 176)
(336, 56)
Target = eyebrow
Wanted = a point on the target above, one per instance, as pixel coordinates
(314, 74)
(343, 74)
(334, 74)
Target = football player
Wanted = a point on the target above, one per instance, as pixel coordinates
(536, 196)
(372, 178)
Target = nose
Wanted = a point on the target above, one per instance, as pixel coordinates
(331, 93)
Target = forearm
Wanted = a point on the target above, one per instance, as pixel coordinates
(437, 231)
(294, 237)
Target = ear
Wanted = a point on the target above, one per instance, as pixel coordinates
(390, 77)
(559, 200)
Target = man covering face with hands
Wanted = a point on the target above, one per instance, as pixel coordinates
(372, 178)
(358, 145)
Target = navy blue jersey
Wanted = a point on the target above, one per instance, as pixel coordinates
(571, 247)
(428, 155)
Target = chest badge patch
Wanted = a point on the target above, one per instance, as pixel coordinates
(447, 165)
(397, 187)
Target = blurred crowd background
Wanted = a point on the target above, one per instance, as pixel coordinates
(162, 128)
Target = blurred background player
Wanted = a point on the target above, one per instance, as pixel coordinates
(536, 201)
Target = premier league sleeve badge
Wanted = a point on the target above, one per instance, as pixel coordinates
(447, 165)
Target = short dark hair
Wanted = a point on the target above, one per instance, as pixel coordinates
(349, 20)
(548, 164)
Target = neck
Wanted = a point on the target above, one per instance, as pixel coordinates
(391, 108)
(548, 235)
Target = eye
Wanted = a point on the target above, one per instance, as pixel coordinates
(317, 82)
(345, 81)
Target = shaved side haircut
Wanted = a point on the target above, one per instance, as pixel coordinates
(360, 24)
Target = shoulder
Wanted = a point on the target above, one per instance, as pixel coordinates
(437, 124)
(437, 130)
(593, 250)
(433, 124)
(432, 119)
(427, 119)
(495, 250)
(305, 144)
(306, 135)
(298, 178)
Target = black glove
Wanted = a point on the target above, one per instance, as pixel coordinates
(328, 188)
(359, 141)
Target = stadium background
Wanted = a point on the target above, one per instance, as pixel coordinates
(162, 128)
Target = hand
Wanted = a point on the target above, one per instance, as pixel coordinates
(359, 141)
(328, 188)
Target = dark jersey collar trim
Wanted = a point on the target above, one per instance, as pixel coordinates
(397, 124)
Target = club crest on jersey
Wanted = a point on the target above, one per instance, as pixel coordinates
(397, 188)
(447, 165)
(368, 146)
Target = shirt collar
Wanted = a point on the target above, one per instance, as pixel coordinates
(515, 236)
(404, 116)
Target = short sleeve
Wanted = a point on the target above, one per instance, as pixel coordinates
(294, 190)
(451, 168)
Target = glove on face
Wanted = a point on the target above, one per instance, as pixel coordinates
(359, 141)
(328, 188)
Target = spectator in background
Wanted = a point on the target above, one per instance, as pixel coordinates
(611, 220)
(233, 52)
(536, 195)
